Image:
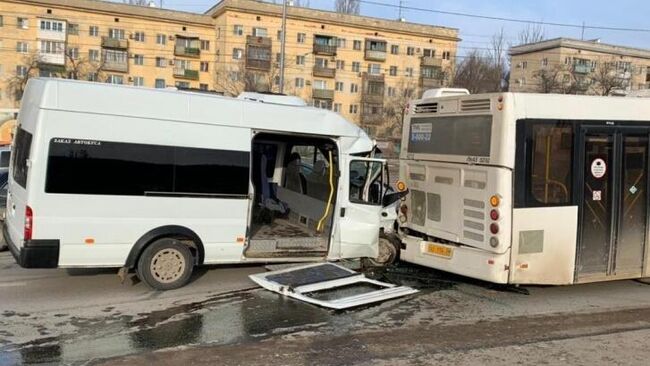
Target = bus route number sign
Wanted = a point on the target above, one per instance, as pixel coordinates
(598, 168)
(421, 132)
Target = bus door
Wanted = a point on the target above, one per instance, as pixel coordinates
(613, 202)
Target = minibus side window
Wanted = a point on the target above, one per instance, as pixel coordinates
(22, 147)
(366, 182)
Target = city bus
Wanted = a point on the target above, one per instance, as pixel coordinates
(160, 181)
(526, 188)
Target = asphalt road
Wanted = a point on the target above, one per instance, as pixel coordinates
(88, 317)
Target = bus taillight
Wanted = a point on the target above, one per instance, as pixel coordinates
(494, 214)
(29, 223)
(494, 228)
(495, 200)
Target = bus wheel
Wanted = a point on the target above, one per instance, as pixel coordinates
(165, 264)
(388, 253)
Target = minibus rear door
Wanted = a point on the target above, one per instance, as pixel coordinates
(360, 207)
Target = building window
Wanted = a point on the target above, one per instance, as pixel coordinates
(410, 51)
(73, 29)
(203, 87)
(138, 81)
(22, 47)
(115, 33)
(337, 107)
(93, 55)
(21, 70)
(93, 31)
(339, 86)
(356, 45)
(279, 36)
(259, 32)
(182, 84)
(340, 64)
(524, 65)
(237, 53)
(392, 71)
(354, 108)
(390, 91)
(340, 42)
(205, 45)
(114, 56)
(73, 53)
(446, 55)
(409, 72)
(51, 25)
(300, 60)
(356, 66)
(93, 76)
(161, 38)
(161, 62)
(138, 59)
(301, 37)
(544, 62)
(204, 66)
(429, 52)
(300, 82)
(138, 36)
(2, 22)
(320, 84)
(278, 57)
(354, 88)
(321, 62)
(22, 23)
(394, 49)
(115, 79)
(374, 69)
(238, 30)
(160, 83)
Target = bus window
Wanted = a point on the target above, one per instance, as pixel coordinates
(551, 163)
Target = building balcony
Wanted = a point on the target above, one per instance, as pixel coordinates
(430, 83)
(431, 62)
(51, 58)
(582, 69)
(115, 66)
(372, 55)
(51, 35)
(258, 64)
(50, 67)
(183, 73)
(372, 98)
(324, 49)
(118, 44)
(259, 41)
(187, 51)
(324, 72)
(371, 119)
(322, 94)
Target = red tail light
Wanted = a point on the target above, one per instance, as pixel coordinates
(494, 229)
(29, 223)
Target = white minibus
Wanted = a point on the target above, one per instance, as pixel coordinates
(161, 180)
(527, 188)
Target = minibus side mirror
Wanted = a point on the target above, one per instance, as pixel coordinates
(391, 198)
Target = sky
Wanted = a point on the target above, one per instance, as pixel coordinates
(476, 33)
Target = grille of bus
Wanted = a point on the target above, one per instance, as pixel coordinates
(474, 220)
(426, 108)
(418, 207)
(475, 105)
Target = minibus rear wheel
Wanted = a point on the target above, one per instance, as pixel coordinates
(165, 264)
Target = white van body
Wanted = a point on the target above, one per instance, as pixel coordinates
(109, 230)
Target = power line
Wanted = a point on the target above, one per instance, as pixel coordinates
(506, 19)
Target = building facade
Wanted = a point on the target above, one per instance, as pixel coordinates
(364, 68)
(572, 66)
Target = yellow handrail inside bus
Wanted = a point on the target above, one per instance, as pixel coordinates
(319, 227)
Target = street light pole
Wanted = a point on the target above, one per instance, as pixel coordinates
(283, 43)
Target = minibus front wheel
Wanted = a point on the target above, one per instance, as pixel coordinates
(165, 264)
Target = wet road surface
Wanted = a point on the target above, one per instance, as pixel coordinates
(87, 317)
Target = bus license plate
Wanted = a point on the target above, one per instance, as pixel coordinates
(439, 250)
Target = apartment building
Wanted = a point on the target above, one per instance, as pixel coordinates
(565, 65)
(364, 68)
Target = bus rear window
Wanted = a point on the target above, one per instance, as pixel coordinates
(23, 144)
(457, 135)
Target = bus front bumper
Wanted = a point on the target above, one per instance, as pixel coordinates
(34, 253)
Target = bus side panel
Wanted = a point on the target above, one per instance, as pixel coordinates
(544, 245)
(116, 222)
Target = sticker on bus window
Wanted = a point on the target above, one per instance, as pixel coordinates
(421, 132)
(597, 195)
(598, 168)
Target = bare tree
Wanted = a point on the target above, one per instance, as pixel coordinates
(348, 6)
(479, 74)
(498, 58)
(233, 79)
(607, 78)
(394, 105)
(549, 80)
(17, 83)
(531, 34)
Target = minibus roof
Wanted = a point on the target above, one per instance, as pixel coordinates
(184, 106)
